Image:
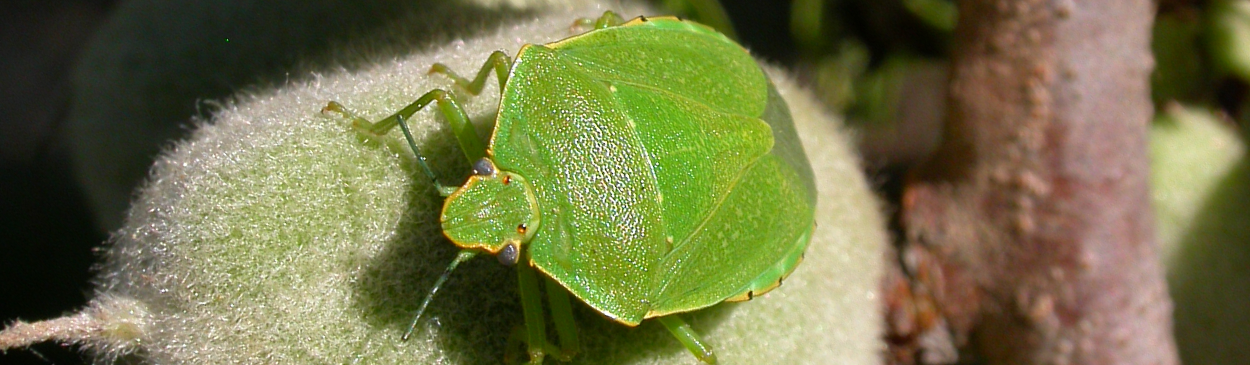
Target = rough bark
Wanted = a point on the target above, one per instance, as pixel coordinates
(1030, 229)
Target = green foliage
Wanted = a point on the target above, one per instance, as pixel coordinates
(1228, 36)
(1180, 71)
(939, 14)
(1201, 181)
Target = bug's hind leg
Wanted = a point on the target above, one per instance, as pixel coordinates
(498, 61)
(562, 317)
(535, 332)
(688, 338)
(607, 20)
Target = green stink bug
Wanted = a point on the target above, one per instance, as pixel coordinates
(647, 167)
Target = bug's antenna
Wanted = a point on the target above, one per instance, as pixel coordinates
(463, 256)
(443, 190)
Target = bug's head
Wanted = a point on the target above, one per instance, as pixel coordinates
(495, 211)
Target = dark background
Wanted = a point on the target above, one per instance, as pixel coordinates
(48, 231)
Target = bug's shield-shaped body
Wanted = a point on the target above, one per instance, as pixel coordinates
(666, 170)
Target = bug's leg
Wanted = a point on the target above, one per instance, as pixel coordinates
(464, 255)
(531, 306)
(470, 143)
(516, 340)
(562, 316)
(498, 61)
(688, 338)
(607, 20)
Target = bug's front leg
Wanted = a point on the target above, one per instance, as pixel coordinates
(470, 143)
(473, 147)
(562, 316)
(531, 306)
(498, 61)
(533, 333)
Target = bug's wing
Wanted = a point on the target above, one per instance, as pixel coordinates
(786, 144)
(679, 57)
(754, 238)
(696, 154)
(737, 213)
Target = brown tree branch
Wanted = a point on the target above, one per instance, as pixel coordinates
(1034, 214)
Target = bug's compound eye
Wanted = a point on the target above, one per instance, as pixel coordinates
(483, 167)
(509, 254)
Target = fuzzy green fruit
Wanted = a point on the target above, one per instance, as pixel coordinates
(274, 235)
